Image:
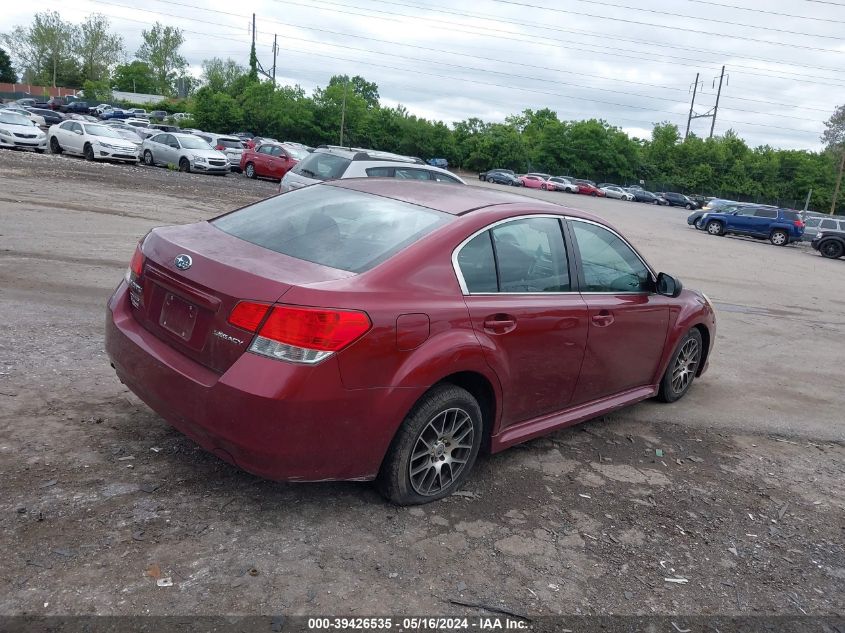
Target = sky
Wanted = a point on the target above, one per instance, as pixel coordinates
(632, 63)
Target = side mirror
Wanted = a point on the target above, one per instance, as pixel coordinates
(668, 286)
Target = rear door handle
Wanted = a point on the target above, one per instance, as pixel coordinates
(602, 319)
(500, 323)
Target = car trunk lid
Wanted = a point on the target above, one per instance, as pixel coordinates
(194, 275)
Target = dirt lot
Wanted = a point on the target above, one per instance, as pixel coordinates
(736, 490)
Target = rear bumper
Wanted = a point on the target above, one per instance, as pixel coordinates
(276, 420)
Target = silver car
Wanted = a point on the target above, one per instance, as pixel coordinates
(813, 225)
(186, 151)
(229, 145)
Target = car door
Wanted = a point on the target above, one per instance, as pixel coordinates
(75, 139)
(279, 161)
(532, 325)
(742, 220)
(628, 321)
(169, 154)
(157, 144)
(269, 161)
(761, 223)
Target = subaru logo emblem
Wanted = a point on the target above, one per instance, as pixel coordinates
(183, 262)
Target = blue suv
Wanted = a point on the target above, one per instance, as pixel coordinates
(779, 226)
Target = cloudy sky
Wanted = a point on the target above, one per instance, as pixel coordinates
(630, 62)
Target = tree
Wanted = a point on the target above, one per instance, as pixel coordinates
(97, 91)
(134, 77)
(7, 73)
(98, 49)
(222, 75)
(834, 137)
(367, 90)
(253, 63)
(44, 50)
(161, 51)
(216, 111)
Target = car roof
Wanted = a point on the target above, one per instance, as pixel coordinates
(454, 199)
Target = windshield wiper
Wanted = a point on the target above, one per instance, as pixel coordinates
(308, 172)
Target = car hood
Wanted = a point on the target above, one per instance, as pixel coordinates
(207, 153)
(117, 142)
(16, 127)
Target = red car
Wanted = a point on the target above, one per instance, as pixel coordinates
(379, 329)
(589, 189)
(537, 182)
(270, 160)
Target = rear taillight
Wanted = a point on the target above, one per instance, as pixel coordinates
(136, 265)
(133, 276)
(219, 148)
(799, 224)
(299, 335)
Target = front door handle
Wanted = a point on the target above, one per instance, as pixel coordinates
(499, 323)
(602, 319)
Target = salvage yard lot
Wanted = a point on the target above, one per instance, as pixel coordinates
(737, 488)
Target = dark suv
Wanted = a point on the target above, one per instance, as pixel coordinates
(830, 244)
(679, 200)
(779, 226)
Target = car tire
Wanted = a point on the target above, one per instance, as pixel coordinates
(434, 424)
(779, 237)
(184, 165)
(594, 194)
(714, 227)
(683, 366)
(250, 171)
(88, 152)
(543, 187)
(688, 207)
(148, 158)
(655, 202)
(832, 249)
(39, 151)
(55, 148)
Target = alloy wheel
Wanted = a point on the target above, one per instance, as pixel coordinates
(779, 238)
(831, 249)
(441, 451)
(714, 228)
(686, 365)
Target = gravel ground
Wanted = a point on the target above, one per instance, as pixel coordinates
(729, 502)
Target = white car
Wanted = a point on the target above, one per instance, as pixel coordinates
(564, 184)
(35, 118)
(618, 193)
(185, 151)
(329, 162)
(94, 141)
(17, 130)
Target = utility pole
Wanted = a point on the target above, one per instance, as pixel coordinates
(838, 183)
(275, 53)
(716, 107)
(692, 103)
(807, 200)
(711, 113)
(343, 111)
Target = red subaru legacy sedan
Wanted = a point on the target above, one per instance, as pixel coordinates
(379, 329)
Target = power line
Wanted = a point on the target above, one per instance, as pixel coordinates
(422, 72)
(487, 58)
(676, 28)
(472, 68)
(801, 77)
(685, 15)
(786, 15)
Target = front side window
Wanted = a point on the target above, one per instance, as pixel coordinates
(608, 263)
(746, 211)
(438, 177)
(380, 172)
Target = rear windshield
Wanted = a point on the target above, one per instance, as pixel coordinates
(230, 143)
(333, 227)
(322, 166)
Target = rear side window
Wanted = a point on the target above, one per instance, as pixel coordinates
(769, 213)
(812, 222)
(521, 256)
(334, 227)
(827, 224)
(322, 166)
